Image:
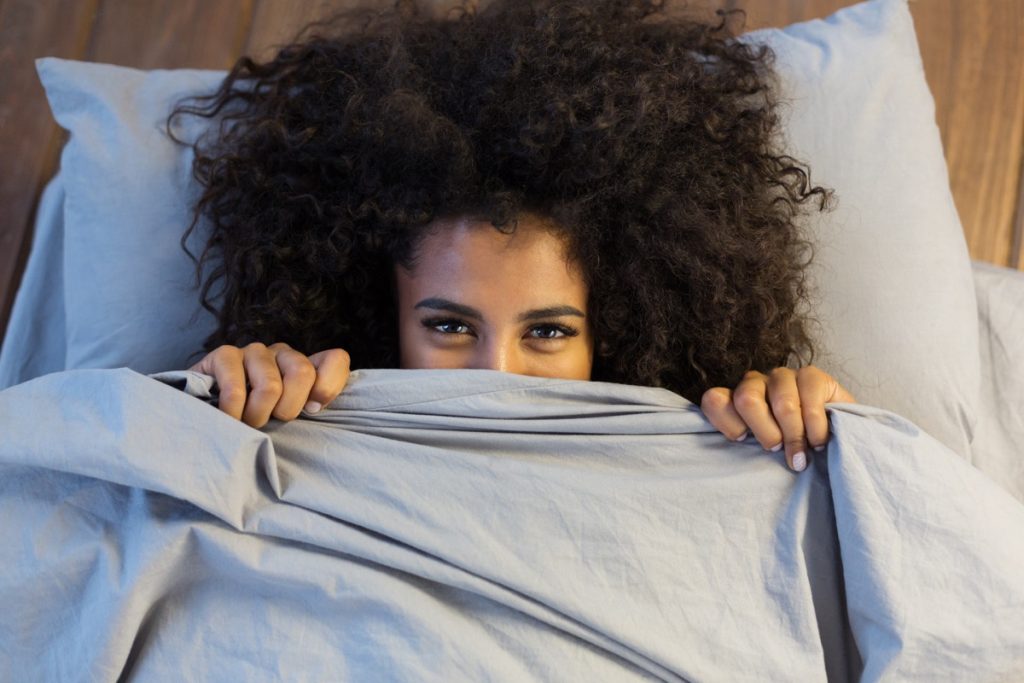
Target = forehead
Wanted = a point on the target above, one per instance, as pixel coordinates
(472, 259)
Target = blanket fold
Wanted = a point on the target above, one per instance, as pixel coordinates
(470, 524)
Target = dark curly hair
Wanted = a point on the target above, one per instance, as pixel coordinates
(650, 139)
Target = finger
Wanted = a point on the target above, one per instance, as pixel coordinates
(816, 389)
(717, 406)
(840, 395)
(265, 382)
(224, 364)
(332, 371)
(784, 399)
(751, 401)
(297, 376)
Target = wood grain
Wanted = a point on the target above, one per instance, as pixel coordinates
(30, 141)
(171, 34)
(1017, 251)
(972, 59)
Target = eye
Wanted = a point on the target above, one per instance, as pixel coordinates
(446, 326)
(552, 332)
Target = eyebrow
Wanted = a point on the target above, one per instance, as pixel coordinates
(438, 304)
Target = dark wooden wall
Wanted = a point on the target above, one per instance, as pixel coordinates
(972, 53)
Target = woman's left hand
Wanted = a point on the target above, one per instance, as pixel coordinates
(785, 407)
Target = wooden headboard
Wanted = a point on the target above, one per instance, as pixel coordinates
(972, 55)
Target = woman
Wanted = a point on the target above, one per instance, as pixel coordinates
(571, 189)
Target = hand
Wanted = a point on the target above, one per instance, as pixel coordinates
(786, 407)
(283, 380)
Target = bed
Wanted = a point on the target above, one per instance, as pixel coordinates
(448, 535)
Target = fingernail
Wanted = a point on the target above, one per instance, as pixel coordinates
(313, 407)
(799, 461)
(819, 448)
(743, 436)
(776, 447)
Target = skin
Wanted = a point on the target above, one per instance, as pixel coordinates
(477, 298)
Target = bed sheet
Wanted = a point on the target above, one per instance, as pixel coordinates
(471, 524)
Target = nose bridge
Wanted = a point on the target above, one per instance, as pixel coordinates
(500, 352)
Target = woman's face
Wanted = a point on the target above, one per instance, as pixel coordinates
(477, 298)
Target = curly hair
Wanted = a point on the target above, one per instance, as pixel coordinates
(650, 139)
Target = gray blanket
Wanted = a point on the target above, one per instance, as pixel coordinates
(474, 525)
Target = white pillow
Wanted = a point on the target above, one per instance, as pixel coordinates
(896, 296)
(127, 287)
(893, 272)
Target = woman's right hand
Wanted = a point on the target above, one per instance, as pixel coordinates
(283, 381)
